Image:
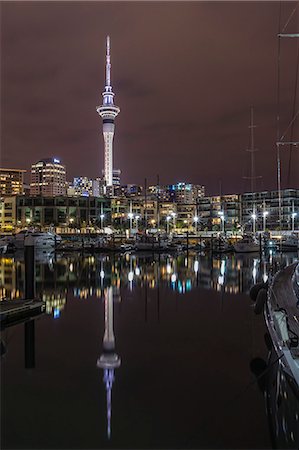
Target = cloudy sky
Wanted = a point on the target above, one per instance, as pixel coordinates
(184, 75)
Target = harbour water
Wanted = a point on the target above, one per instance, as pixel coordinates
(186, 341)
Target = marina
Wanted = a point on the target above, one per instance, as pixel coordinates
(160, 293)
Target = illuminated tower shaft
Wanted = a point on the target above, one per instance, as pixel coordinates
(109, 360)
(108, 111)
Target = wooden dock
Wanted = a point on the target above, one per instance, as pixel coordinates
(17, 311)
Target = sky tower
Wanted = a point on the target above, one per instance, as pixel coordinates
(108, 111)
(109, 360)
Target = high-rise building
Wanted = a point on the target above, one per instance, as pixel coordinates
(82, 187)
(48, 178)
(11, 181)
(108, 111)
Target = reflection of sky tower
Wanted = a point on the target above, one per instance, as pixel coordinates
(108, 111)
(109, 360)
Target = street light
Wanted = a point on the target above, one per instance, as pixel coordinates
(167, 223)
(253, 216)
(130, 215)
(221, 215)
(265, 213)
(102, 220)
(293, 220)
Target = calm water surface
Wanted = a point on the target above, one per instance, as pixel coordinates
(186, 345)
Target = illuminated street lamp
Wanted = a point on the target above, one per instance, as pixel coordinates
(221, 215)
(294, 214)
(167, 223)
(253, 216)
(102, 220)
(131, 215)
(265, 213)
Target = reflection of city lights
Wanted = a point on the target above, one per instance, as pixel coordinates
(222, 268)
(196, 266)
(71, 267)
(265, 277)
(56, 313)
(221, 280)
(173, 278)
(102, 274)
(130, 276)
(137, 271)
(168, 269)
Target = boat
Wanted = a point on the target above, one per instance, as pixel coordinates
(288, 243)
(246, 245)
(151, 242)
(220, 245)
(41, 239)
(282, 317)
(279, 300)
(281, 399)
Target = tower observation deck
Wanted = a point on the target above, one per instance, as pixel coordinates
(108, 111)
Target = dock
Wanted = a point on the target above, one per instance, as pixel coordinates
(18, 311)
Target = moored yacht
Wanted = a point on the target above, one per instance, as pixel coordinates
(247, 245)
(288, 242)
(41, 239)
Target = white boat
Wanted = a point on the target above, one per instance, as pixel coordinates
(41, 239)
(246, 245)
(288, 242)
(282, 318)
(150, 243)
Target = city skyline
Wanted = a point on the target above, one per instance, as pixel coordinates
(185, 96)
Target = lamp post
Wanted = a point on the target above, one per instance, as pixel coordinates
(167, 224)
(265, 213)
(196, 219)
(137, 218)
(221, 215)
(293, 221)
(131, 215)
(253, 216)
(102, 220)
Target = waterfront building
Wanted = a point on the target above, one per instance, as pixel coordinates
(73, 212)
(7, 213)
(11, 181)
(48, 178)
(181, 192)
(220, 213)
(267, 211)
(108, 112)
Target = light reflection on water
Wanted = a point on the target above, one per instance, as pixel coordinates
(115, 279)
(90, 275)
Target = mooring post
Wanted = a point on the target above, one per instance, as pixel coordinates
(29, 345)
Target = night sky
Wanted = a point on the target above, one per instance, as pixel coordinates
(184, 75)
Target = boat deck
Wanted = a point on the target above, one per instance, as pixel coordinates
(285, 295)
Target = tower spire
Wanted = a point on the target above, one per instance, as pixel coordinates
(108, 64)
(108, 111)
